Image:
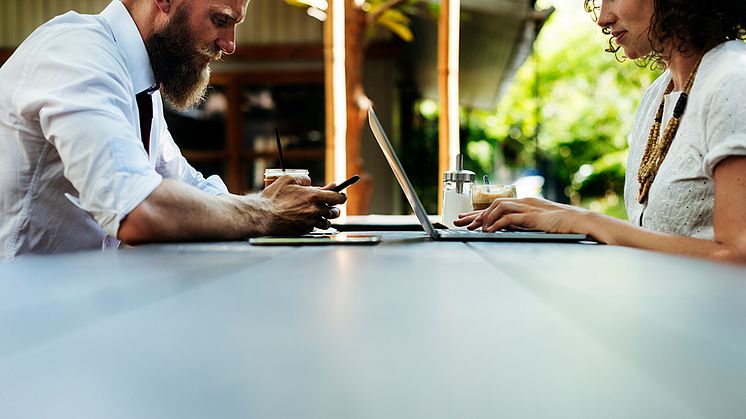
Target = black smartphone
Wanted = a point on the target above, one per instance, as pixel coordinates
(346, 183)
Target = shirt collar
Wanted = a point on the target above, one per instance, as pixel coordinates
(127, 36)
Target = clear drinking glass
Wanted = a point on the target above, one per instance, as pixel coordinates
(483, 195)
(271, 175)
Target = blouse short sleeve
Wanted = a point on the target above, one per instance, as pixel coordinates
(725, 134)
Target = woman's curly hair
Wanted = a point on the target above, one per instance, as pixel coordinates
(692, 26)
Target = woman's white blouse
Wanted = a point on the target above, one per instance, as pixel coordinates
(713, 128)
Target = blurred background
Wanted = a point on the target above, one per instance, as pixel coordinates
(541, 104)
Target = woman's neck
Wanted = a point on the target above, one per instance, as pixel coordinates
(681, 66)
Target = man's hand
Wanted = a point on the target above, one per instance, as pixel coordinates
(294, 207)
(175, 211)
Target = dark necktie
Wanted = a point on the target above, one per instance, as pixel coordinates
(145, 109)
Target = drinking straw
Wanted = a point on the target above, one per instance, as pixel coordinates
(279, 149)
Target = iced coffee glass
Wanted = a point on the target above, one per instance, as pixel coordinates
(271, 175)
(483, 195)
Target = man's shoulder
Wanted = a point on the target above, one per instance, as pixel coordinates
(72, 31)
(73, 47)
(71, 40)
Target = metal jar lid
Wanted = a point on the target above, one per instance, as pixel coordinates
(459, 176)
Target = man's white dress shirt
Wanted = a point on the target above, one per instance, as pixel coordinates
(72, 163)
(713, 128)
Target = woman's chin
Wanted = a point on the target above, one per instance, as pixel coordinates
(632, 55)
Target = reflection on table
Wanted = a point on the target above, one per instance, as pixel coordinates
(409, 328)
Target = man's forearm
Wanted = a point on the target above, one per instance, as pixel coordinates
(176, 211)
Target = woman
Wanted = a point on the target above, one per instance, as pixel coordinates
(685, 188)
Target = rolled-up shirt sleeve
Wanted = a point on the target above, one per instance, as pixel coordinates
(87, 111)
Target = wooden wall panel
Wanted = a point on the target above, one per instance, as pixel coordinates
(274, 22)
(267, 21)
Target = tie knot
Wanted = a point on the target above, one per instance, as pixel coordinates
(148, 91)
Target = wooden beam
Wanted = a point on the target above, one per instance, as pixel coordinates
(329, 95)
(448, 60)
(443, 126)
(336, 92)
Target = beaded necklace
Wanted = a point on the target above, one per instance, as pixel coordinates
(655, 151)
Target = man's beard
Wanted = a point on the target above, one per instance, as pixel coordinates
(178, 64)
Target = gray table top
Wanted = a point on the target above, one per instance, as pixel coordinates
(409, 328)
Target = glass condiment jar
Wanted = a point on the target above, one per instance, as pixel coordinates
(457, 192)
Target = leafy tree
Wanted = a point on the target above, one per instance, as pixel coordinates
(566, 115)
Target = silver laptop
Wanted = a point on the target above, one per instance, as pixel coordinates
(454, 234)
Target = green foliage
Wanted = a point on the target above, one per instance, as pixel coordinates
(397, 22)
(566, 114)
(419, 154)
(570, 106)
(392, 15)
(395, 16)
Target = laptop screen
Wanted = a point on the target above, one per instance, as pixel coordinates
(396, 167)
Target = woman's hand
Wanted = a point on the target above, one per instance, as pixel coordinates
(525, 213)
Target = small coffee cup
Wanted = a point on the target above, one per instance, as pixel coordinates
(271, 175)
(483, 195)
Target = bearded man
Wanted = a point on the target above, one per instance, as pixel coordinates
(86, 159)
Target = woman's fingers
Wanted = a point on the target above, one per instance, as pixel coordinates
(507, 221)
(507, 213)
(475, 224)
(470, 214)
(498, 209)
(466, 219)
(525, 213)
